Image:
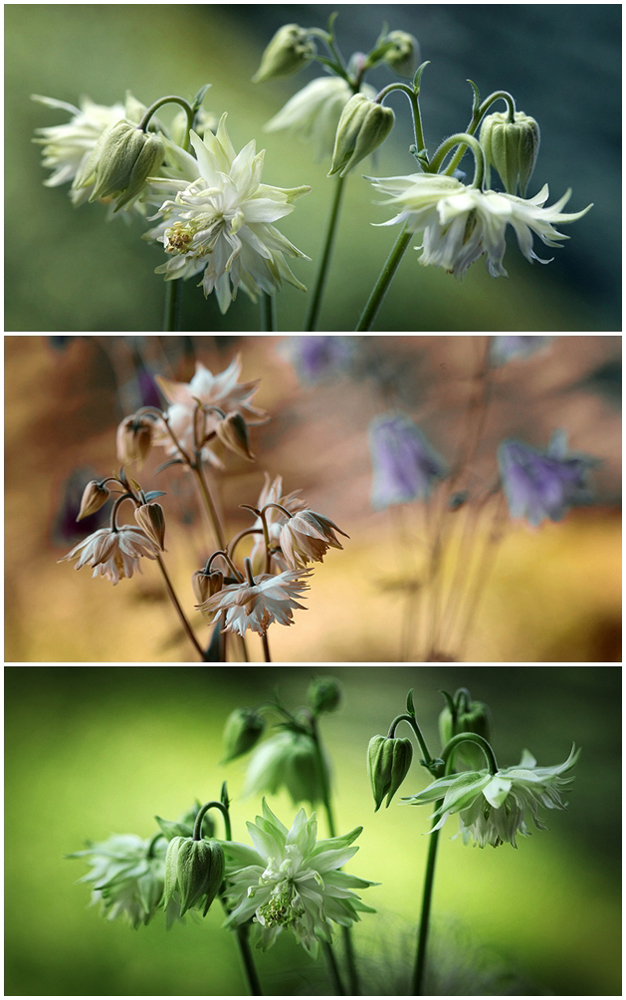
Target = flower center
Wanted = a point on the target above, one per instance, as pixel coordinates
(278, 910)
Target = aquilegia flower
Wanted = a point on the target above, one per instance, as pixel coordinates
(461, 223)
(243, 606)
(128, 876)
(114, 553)
(314, 112)
(66, 148)
(306, 537)
(272, 492)
(404, 463)
(288, 760)
(223, 390)
(492, 807)
(217, 219)
(543, 484)
(289, 879)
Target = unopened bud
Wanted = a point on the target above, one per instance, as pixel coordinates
(404, 54)
(150, 517)
(363, 126)
(388, 762)
(134, 439)
(244, 727)
(324, 694)
(233, 432)
(121, 162)
(511, 147)
(195, 869)
(468, 717)
(206, 584)
(287, 52)
(94, 497)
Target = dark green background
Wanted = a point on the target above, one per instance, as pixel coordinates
(93, 751)
(69, 270)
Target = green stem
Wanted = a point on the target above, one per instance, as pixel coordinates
(208, 500)
(170, 99)
(266, 648)
(268, 313)
(197, 828)
(171, 312)
(462, 139)
(333, 970)
(248, 961)
(475, 122)
(422, 937)
(316, 302)
(181, 614)
(384, 280)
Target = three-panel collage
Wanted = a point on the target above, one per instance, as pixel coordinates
(313, 500)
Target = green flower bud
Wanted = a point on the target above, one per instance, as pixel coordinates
(363, 126)
(324, 694)
(194, 869)
(288, 760)
(388, 762)
(468, 717)
(510, 147)
(404, 54)
(122, 160)
(183, 826)
(287, 52)
(243, 730)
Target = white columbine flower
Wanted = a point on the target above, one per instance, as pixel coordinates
(492, 807)
(314, 112)
(66, 148)
(272, 492)
(114, 553)
(306, 537)
(290, 879)
(243, 606)
(461, 223)
(217, 219)
(223, 390)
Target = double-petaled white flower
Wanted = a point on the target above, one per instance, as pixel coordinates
(114, 553)
(292, 880)
(461, 223)
(306, 537)
(314, 112)
(255, 605)
(218, 219)
(492, 807)
(68, 147)
(272, 493)
(223, 390)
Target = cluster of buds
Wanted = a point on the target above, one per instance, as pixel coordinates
(121, 162)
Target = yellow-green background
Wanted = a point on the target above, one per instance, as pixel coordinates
(69, 270)
(95, 751)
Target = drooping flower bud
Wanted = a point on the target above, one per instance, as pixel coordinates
(289, 760)
(134, 439)
(467, 717)
(324, 695)
(243, 730)
(363, 126)
(206, 584)
(233, 432)
(150, 517)
(404, 54)
(288, 51)
(388, 762)
(122, 160)
(510, 147)
(194, 869)
(94, 497)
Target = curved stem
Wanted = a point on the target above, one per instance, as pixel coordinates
(476, 119)
(462, 138)
(316, 302)
(181, 614)
(447, 753)
(428, 760)
(415, 109)
(170, 99)
(384, 280)
(422, 936)
(197, 827)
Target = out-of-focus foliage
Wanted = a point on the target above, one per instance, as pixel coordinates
(564, 70)
(96, 751)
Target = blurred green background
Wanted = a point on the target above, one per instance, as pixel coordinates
(95, 751)
(561, 63)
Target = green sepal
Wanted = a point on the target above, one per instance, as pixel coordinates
(199, 98)
(417, 79)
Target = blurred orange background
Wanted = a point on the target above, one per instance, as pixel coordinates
(554, 594)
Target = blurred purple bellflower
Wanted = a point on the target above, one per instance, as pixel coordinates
(316, 357)
(506, 348)
(543, 484)
(404, 462)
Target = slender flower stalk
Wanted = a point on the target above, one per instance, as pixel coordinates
(385, 278)
(316, 299)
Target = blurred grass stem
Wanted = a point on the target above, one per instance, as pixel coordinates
(181, 614)
(268, 313)
(316, 302)
(171, 316)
